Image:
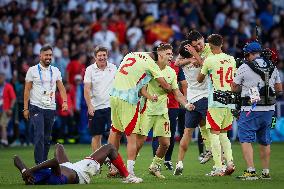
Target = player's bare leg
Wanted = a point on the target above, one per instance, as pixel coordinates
(155, 167)
(140, 142)
(183, 146)
(114, 139)
(96, 142)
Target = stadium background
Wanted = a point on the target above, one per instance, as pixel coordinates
(74, 27)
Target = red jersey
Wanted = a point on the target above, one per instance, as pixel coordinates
(172, 103)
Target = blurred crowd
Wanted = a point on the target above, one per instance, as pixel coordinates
(75, 27)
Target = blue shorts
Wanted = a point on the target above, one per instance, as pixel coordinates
(255, 127)
(45, 176)
(101, 122)
(193, 118)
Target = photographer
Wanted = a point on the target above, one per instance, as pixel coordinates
(258, 81)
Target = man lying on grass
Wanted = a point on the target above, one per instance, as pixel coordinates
(60, 170)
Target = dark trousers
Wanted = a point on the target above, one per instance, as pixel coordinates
(41, 122)
(181, 121)
(173, 113)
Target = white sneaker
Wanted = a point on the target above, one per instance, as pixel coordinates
(179, 168)
(216, 172)
(132, 179)
(207, 157)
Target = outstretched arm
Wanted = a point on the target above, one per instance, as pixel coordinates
(182, 100)
(180, 61)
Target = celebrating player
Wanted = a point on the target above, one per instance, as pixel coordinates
(221, 68)
(136, 70)
(155, 113)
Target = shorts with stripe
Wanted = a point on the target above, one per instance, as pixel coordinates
(219, 119)
(124, 116)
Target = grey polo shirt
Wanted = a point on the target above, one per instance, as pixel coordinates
(247, 78)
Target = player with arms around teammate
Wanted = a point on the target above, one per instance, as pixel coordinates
(135, 71)
(221, 68)
(154, 114)
(192, 53)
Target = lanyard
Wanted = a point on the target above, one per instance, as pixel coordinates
(39, 71)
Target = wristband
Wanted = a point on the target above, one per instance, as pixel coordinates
(23, 170)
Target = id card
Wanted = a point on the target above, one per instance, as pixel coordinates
(47, 98)
(254, 94)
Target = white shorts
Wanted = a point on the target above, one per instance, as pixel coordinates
(85, 169)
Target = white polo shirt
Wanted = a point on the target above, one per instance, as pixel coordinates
(40, 86)
(101, 84)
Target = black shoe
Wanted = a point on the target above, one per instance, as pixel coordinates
(169, 165)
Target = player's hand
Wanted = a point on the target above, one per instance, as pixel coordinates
(26, 114)
(154, 98)
(91, 110)
(28, 177)
(64, 106)
(189, 107)
(190, 49)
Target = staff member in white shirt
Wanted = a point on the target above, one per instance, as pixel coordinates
(39, 101)
(98, 82)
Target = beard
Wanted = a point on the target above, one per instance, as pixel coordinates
(46, 62)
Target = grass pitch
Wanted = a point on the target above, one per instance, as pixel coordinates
(192, 178)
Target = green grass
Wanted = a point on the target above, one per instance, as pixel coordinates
(193, 176)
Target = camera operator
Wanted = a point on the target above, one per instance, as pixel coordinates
(259, 83)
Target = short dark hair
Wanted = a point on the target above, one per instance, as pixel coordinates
(46, 47)
(182, 51)
(193, 35)
(100, 49)
(215, 39)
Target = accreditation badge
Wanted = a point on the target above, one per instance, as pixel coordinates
(47, 98)
(254, 94)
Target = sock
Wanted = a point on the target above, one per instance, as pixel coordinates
(157, 161)
(130, 166)
(265, 171)
(226, 145)
(251, 169)
(119, 164)
(205, 133)
(216, 150)
(180, 163)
